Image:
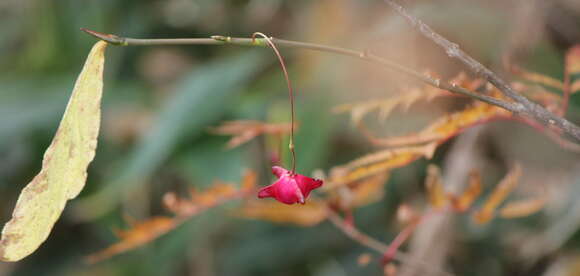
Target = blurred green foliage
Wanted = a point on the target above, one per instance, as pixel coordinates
(182, 91)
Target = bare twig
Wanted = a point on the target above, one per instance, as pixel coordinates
(226, 40)
(352, 232)
(521, 105)
(358, 236)
(401, 238)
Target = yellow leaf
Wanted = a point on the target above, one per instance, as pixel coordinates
(359, 193)
(522, 208)
(453, 124)
(434, 185)
(464, 202)
(377, 162)
(64, 167)
(503, 189)
(447, 126)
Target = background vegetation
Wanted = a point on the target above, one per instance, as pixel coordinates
(159, 103)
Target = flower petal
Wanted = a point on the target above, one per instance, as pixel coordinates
(289, 188)
(307, 184)
(279, 171)
(266, 192)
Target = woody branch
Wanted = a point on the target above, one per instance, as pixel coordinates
(520, 105)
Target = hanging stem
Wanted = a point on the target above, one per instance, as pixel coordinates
(290, 95)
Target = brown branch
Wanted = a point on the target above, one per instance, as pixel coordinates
(226, 40)
(521, 105)
(352, 232)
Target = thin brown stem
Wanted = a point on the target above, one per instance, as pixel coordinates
(352, 232)
(363, 55)
(401, 238)
(521, 105)
(290, 94)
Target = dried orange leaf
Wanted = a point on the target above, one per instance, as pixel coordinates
(464, 202)
(179, 206)
(435, 190)
(503, 189)
(369, 190)
(184, 209)
(64, 167)
(385, 107)
(451, 125)
(522, 208)
(214, 194)
(140, 234)
(217, 194)
(447, 126)
(377, 162)
(400, 141)
(539, 78)
(246, 130)
(249, 180)
(311, 213)
(360, 193)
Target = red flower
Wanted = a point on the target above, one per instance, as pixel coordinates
(290, 188)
